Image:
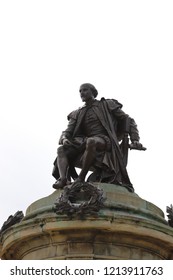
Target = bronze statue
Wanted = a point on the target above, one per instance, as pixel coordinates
(96, 140)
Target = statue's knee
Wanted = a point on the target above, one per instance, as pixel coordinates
(90, 143)
(60, 151)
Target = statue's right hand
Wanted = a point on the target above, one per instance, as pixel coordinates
(66, 142)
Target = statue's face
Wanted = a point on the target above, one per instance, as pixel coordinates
(86, 93)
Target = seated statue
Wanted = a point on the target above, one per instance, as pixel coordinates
(96, 140)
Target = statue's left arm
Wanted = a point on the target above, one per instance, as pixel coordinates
(130, 126)
(134, 136)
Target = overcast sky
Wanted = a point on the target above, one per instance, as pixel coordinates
(47, 50)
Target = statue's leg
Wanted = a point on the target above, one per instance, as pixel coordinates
(63, 164)
(92, 145)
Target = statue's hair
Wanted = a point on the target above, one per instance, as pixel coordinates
(93, 89)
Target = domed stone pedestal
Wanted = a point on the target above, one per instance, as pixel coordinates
(127, 228)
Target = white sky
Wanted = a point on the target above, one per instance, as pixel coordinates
(49, 48)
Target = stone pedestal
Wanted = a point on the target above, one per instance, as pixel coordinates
(126, 228)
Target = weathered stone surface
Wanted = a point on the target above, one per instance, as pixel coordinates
(127, 227)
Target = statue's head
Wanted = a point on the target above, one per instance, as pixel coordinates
(88, 89)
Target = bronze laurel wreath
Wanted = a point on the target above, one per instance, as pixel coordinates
(169, 210)
(79, 198)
